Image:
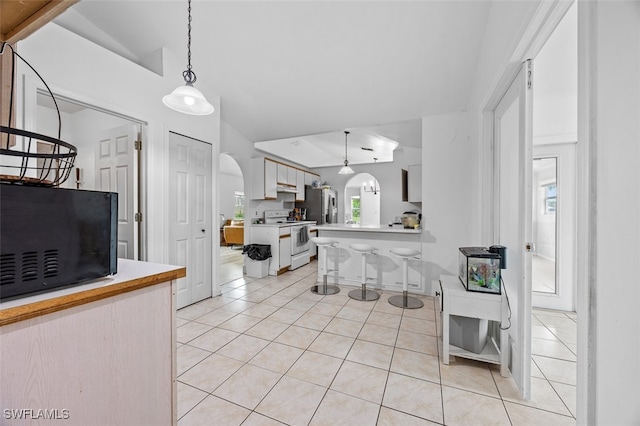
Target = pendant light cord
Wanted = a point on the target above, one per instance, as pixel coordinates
(346, 162)
(188, 74)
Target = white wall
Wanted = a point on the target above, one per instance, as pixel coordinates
(610, 196)
(230, 184)
(78, 69)
(241, 149)
(448, 186)
(369, 208)
(555, 89)
(389, 177)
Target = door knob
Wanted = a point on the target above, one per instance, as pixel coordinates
(203, 231)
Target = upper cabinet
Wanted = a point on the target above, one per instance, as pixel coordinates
(264, 182)
(310, 177)
(415, 183)
(300, 181)
(283, 174)
(412, 184)
(270, 177)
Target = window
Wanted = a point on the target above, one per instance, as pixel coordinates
(355, 209)
(550, 198)
(239, 205)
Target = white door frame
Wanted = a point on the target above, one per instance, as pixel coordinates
(28, 87)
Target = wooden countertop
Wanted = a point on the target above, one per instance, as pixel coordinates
(132, 275)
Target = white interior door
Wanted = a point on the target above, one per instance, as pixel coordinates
(512, 166)
(190, 233)
(116, 171)
(553, 269)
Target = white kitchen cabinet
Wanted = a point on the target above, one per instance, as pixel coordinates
(264, 181)
(285, 251)
(282, 173)
(270, 179)
(414, 183)
(313, 249)
(300, 175)
(292, 175)
(310, 177)
(279, 239)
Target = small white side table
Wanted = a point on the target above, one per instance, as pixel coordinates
(456, 300)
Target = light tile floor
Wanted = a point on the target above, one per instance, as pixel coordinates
(269, 352)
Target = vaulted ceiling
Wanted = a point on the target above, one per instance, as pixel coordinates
(292, 68)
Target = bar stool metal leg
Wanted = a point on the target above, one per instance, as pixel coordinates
(324, 289)
(405, 301)
(363, 294)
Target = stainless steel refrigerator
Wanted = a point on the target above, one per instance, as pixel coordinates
(321, 205)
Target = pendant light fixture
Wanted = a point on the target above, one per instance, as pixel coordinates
(187, 99)
(346, 170)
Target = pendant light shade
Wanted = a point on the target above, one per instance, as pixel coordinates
(187, 99)
(346, 170)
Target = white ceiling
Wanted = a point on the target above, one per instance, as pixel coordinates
(294, 68)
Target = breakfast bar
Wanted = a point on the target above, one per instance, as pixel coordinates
(383, 268)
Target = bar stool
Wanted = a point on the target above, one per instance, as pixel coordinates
(363, 293)
(405, 301)
(323, 244)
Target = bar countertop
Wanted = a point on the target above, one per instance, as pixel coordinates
(366, 228)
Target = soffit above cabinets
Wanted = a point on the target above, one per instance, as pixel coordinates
(368, 145)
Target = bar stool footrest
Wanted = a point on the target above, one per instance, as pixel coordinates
(325, 290)
(406, 302)
(366, 295)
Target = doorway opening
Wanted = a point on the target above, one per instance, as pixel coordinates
(362, 200)
(231, 203)
(109, 159)
(544, 229)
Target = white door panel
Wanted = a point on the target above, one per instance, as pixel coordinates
(116, 170)
(512, 166)
(190, 177)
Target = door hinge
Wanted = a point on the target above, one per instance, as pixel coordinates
(137, 145)
(529, 74)
(137, 217)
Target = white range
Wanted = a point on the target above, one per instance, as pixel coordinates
(290, 242)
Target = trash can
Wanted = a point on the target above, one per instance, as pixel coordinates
(468, 333)
(256, 260)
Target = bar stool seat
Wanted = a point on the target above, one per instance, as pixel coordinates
(404, 300)
(364, 294)
(323, 244)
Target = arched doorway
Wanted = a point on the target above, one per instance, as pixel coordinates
(362, 200)
(231, 204)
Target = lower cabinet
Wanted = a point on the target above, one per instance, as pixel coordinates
(279, 238)
(285, 251)
(313, 249)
